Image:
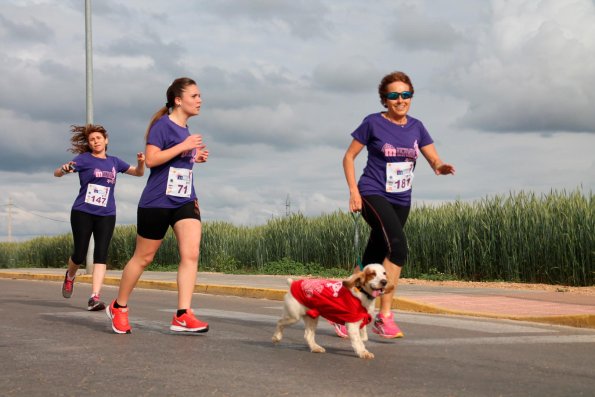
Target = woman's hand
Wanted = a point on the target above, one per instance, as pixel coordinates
(202, 154)
(140, 158)
(67, 168)
(192, 142)
(444, 169)
(355, 202)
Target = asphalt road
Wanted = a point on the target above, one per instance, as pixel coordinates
(51, 346)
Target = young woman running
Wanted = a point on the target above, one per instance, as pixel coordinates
(168, 200)
(94, 210)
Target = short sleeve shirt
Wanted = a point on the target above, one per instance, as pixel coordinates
(387, 142)
(97, 177)
(165, 134)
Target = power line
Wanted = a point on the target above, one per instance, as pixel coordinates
(41, 216)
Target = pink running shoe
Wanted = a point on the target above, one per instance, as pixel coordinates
(385, 327)
(340, 329)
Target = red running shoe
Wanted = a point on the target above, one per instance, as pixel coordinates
(119, 318)
(67, 286)
(385, 327)
(188, 323)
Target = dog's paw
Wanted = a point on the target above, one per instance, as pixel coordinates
(366, 355)
(276, 338)
(318, 349)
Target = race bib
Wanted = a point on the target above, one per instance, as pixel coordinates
(97, 195)
(399, 176)
(179, 182)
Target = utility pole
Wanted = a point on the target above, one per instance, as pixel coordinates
(89, 80)
(287, 206)
(9, 219)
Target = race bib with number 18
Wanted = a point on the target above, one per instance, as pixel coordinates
(399, 176)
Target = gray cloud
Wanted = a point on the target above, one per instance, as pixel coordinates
(345, 75)
(302, 18)
(30, 31)
(529, 74)
(416, 31)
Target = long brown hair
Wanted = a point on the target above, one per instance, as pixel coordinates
(80, 137)
(389, 79)
(174, 91)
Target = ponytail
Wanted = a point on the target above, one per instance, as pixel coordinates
(158, 114)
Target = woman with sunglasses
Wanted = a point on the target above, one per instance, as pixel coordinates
(168, 200)
(393, 140)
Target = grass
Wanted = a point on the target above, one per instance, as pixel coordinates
(520, 237)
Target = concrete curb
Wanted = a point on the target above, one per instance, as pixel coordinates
(579, 321)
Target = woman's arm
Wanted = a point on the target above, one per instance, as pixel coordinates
(155, 156)
(64, 169)
(139, 170)
(355, 200)
(431, 155)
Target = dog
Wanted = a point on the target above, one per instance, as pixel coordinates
(349, 302)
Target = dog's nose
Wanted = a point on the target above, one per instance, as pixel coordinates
(383, 283)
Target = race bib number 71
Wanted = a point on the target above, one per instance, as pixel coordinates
(179, 182)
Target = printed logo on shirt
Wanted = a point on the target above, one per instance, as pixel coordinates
(316, 286)
(189, 153)
(110, 175)
(335, 287)
(409, 153)
(311, 287)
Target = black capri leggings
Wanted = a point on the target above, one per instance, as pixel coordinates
(83, 225)
(387, 238)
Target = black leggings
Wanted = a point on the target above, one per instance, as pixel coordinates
(83, 225)
(387, 238)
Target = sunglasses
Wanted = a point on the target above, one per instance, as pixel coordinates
(395, 95)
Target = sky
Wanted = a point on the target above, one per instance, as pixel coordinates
(506, 89)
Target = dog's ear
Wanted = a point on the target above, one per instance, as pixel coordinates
(356, 280)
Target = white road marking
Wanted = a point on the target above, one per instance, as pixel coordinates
(502, 340)
(500, 327)
(478, 325)
(494, 327)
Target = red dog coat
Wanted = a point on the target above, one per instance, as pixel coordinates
(329, 299)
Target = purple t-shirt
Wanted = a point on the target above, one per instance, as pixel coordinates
(388, 143)
(170, 185)
(98, 183)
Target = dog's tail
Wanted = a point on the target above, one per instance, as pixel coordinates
(289, 281)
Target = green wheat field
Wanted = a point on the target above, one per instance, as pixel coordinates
(521, 237)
